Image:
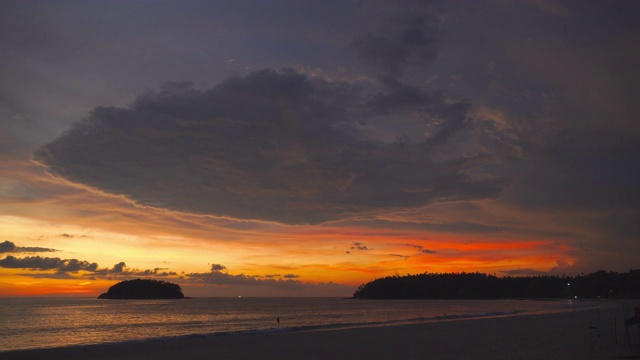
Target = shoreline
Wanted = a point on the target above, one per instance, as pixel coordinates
(581, 305)
(596, 333)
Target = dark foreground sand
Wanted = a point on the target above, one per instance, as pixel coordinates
(552, 336)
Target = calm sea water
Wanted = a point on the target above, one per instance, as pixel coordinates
(51, 322)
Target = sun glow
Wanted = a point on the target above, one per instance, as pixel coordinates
(79, 227)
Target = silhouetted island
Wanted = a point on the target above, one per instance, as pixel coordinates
(601, 284)
(143, 289)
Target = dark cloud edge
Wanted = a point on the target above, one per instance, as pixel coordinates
(65, 158)
(10, 247)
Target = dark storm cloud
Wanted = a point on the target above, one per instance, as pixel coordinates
(57, 275)
(458, 227)
(217, 267)
(74, 265)
(9, 247)
(47, 263)
(585, 155)
(156, 272)
(403, 99)
(595, 174)
(410, 40)
(274, 145)
(359, 246)
(33, 249)
(578, 171)
(64, 268)
(118, 268)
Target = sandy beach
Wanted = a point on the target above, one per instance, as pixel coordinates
(592, 334)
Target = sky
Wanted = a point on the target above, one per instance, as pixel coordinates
(303, 148)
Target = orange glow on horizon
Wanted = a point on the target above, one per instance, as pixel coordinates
(89, 226)
(24, 286)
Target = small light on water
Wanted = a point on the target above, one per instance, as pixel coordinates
(575, 297)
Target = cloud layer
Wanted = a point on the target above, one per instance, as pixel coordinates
(274, 145)
(405, 119)
(218, 277)
(9, 247)
(47, 263)
(402, 42)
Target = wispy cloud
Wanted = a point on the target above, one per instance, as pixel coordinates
(420, 248)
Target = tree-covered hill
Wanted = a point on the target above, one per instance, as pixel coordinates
(143, 289)
(601, 284)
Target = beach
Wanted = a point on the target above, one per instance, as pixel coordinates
(588, 334)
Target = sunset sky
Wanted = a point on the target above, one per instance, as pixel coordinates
(302, 148)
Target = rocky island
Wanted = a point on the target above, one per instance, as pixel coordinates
(143, 289)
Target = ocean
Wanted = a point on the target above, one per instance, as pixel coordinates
(27, 323)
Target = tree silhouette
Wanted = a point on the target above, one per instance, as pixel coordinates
(600, 284)
(143, 289)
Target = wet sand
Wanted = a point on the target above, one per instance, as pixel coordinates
(591, 334)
